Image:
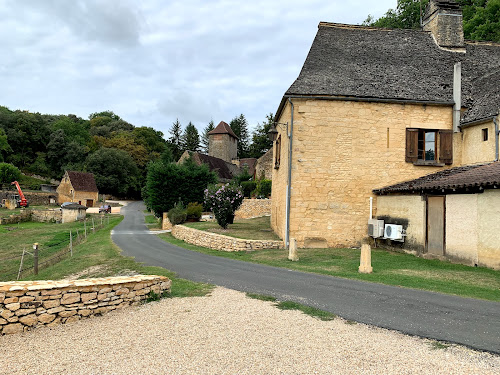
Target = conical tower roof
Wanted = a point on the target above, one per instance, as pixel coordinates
(223, 128)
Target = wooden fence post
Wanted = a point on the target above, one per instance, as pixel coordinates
(35, 258)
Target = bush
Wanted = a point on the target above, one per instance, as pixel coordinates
(178, 214)
(248, 187)
(194, 210)
(223, 201)
(265, 188)
(8, 173)
(243, 176)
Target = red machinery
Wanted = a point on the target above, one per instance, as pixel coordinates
(21, 200)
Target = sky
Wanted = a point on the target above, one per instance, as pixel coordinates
(154, 61)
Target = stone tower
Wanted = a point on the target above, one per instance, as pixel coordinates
(223, 143)
(443, 18)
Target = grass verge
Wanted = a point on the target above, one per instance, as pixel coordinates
(254, 229)
(390, 268)
(99, 257)
(289, 305)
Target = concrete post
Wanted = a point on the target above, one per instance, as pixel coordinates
(365, 264)
(292, 252)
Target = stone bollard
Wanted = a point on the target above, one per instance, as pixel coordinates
(365, 264)
(292, 252)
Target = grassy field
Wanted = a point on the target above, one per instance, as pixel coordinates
(389, 268)
(96, 257)
(254, 229)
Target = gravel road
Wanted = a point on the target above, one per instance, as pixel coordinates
(229, 333)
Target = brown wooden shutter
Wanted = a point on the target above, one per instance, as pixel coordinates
(446, 146)
(411, 145)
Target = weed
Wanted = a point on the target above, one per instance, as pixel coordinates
(435, 345)
(261, 297)
(312, 311)
(153, 296)
(351, 322)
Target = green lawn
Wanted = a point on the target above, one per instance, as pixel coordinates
(96, 257)
(389, 268)
(255, 229)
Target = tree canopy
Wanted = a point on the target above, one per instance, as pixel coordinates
(481, 18)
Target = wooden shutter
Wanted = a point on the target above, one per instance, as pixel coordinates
(411, 145)
(446, 146)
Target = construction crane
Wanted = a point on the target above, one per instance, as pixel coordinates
(21, 201)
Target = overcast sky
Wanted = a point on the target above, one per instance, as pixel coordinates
(153, 61)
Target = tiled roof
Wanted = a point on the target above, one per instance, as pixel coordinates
(82, 181)
(366, 62)
(470, 176)
(249, 163)
(223, 128)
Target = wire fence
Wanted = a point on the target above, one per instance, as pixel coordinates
(43, 256)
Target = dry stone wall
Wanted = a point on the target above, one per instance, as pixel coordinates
(253, 208)
(221, 242)
(40, 216)
(25, 305)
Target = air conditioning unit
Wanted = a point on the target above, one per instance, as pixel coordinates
(375, 228)
(394, 232)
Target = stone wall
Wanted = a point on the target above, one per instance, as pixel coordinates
(35, 198)
(253, 208)
(342, 150)
(221, 242)
(223, 146)
(264, 166)
(40, 216)
(165, 224)
(25, 305)
(473, 148)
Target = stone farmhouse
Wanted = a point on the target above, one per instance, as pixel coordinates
(223, 159)
(78, 187)
(376, 107)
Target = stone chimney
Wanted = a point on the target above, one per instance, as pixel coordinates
(443, 18)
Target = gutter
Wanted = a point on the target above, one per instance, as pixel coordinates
(289, 185)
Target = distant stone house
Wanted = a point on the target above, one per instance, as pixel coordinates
(222, 155)
(78, 187)
(374, 107)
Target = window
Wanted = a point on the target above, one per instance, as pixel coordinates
(485, 134)
(429, 146)
(277, 157)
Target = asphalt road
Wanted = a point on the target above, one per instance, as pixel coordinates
(470, 322)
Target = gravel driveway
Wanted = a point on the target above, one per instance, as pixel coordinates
(228, 333)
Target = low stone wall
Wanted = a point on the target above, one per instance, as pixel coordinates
(28, 304)
(253, 208)
(41, 216)
(165, 224)
(35, 198)
(221, 242)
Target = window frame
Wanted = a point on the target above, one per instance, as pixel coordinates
(416, 146)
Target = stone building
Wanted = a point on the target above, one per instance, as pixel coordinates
(375, 107)
(222, 155)
(78, 187)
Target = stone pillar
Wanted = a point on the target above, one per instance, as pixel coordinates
(292, 251)
(365, 264)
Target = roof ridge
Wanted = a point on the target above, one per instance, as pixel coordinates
(364, 27)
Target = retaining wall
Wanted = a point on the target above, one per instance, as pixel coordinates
(25, 305)
(253, 208)
(41, 216)
(221, 242)
(35, 198)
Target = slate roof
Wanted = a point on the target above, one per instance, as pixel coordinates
(225, 170)
(397, 64)
(470, 176)
(82, 181)
(223, 128)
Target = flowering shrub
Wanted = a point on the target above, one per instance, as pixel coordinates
(223, 201)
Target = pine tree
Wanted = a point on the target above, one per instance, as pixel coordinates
(260, 140)
(191, 138)
(239, 125)
(205, 137)
(176, 140)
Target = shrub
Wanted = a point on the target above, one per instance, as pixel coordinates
(178, 214)
(223, 201)
(194, 210)
(248, 187)
(243, 176)
(8, 173)
(263, 189)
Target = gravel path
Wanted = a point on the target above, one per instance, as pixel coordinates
(228, 333)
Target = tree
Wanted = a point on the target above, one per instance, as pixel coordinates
(481, 18)
(4, 145)
(191, 138)
(115, 172)
(239, 125)
(205, 138)
(109, 114)
(167, 183)
(176, 139)
(8, 173)
(260, 139)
